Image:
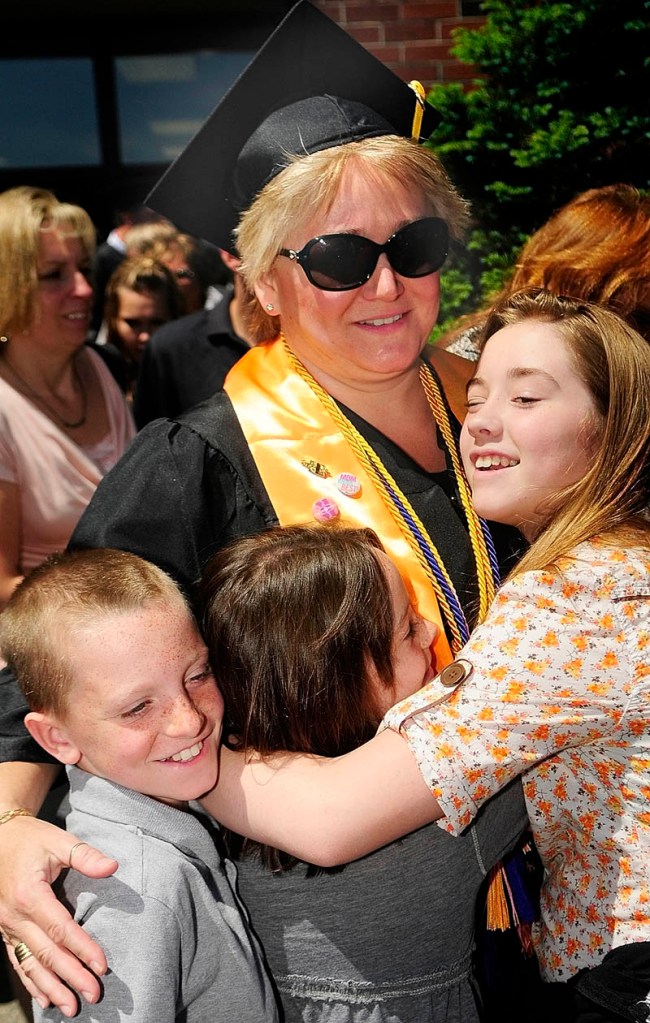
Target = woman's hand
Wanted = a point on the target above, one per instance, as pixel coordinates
(32, 855)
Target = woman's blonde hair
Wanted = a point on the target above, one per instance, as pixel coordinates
(613, 360)
(25, 213)
(309, 185)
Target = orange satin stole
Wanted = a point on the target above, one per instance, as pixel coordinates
(284, 422)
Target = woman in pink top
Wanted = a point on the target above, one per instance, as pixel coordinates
(63, 420)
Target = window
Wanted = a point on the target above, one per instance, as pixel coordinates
(48, 113)
(162, 100)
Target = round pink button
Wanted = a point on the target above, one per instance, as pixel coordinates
(325, 510)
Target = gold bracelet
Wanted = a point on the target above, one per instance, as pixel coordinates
(9, 815)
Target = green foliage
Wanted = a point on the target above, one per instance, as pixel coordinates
(559, 104)
(455, 296)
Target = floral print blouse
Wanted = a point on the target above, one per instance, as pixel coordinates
(558, 691)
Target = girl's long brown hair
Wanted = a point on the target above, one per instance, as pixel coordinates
(295, 619)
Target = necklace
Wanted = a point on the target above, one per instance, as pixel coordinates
(405, 516)
(31, 393)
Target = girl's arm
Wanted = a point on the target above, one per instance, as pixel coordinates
(324, 811)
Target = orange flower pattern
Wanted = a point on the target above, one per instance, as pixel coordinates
(560, 694)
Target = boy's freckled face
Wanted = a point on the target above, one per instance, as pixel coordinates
(145, 710)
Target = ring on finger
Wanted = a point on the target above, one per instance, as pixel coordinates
(73, 850)
(22, 952)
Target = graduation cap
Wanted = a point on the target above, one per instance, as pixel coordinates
(311, 86)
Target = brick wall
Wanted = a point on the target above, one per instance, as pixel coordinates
(413, 37)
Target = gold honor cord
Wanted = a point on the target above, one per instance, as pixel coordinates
(401, 510)
(485, 568)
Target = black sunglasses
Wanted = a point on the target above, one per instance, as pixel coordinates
(341, 262)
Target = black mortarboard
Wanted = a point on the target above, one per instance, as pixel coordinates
(311, 86)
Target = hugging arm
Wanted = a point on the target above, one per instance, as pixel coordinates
(330, 811)
(32, 855)
(324, 811)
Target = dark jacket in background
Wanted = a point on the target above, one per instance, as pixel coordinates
(186, 362)
(107, 258)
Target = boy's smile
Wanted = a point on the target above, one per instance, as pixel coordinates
(144, 709)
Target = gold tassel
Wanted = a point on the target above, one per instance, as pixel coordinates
(418, 113)
(498, 917)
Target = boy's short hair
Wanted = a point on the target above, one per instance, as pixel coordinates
(64, 593)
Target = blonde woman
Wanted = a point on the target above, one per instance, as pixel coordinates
(63, 420)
